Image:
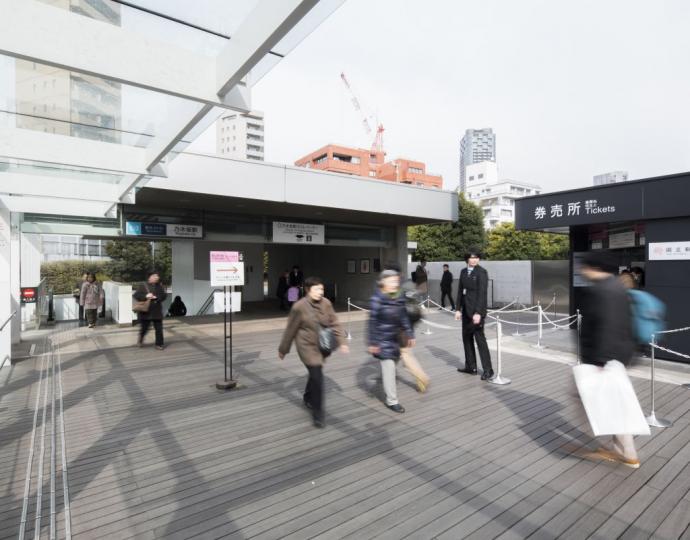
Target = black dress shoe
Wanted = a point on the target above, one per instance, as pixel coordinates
(468, 371)
(396, 408)
(486, 375)
(319, 423)
(306, 403)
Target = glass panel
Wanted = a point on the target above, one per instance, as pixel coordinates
(43, 98)
(21, 166)
(160, 28)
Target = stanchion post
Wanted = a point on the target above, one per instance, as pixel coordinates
(349, 320)
(539, 327)
(652, 420)
(498, 378)
(226, 383)
(579, 337)
(555, 314)
(517, 326)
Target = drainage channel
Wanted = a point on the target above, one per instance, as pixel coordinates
(48, 426)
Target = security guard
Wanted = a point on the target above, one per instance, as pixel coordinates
(472, 299)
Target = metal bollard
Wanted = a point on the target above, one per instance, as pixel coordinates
(555, 314)
(539, 328)
(498, 379)
(427, 331)
(517, 326)
(652, 420)
(578, 320)
(349, 320)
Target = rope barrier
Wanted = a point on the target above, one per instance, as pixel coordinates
(674, 331)
(656, 346)
(652, 420)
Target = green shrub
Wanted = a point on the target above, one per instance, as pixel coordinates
(63, 276)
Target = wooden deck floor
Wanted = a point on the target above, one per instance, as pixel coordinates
(155, 451)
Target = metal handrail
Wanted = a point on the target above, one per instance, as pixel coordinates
(8, 320)
(208, 302)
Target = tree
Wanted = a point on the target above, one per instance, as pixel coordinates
(451, 241)
(63, 276)
(130, 260)
(507, 244)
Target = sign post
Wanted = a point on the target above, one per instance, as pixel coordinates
(227, 270)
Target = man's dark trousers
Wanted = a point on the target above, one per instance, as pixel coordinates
(470, 334)
(449, 294)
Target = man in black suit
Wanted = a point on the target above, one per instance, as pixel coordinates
(447, 288)
(473, 288)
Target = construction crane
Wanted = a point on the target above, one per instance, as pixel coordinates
(377, 145)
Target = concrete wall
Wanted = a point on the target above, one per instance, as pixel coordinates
(511, 279)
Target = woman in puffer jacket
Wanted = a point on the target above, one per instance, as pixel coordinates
(388, 320)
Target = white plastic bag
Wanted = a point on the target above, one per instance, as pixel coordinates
(609, 399)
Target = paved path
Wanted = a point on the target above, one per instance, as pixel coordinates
(154, 451)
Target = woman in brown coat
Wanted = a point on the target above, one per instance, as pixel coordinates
(91, 298)
(306, 317)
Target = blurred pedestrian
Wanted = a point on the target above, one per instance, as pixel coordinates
(282, 290)
(76, 292)
(471, 307)
(607, 335)
(91, 298)
(153, 291)
(389, 324)
(305, 326)
(422, 280)
(447, 288)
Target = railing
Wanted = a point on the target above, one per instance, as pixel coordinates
(5, 323)
(208, 303)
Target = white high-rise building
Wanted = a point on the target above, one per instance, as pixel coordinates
(241, 135)
(495, 197)
(476, 146)
(610, 178)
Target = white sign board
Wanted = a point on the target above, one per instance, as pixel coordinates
(233, 299)
(622, 240)
(298, 233)
(226, 270)
(669, 251)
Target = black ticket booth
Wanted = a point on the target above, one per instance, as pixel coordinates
(643, 223)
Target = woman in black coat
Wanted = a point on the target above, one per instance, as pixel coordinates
(154, 291)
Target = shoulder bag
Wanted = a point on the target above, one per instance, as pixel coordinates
(142, 306)
(327, 341)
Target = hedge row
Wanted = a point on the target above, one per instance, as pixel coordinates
(63, 276)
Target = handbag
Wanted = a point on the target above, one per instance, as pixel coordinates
(609, 399)
(142, 306)
(327, 342)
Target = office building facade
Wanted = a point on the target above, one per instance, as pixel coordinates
(476, 146)
(241, 135)
(610, 178)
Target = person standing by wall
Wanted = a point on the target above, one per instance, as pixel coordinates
(154, 291)
(282, 290)
(421, 279)
(388, 325)
(471, 308)
(306, 318)
(447, 288)
(91, 298)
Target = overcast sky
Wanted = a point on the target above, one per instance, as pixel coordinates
(571, 88)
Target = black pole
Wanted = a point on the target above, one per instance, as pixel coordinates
(225, 331)
(231, 338)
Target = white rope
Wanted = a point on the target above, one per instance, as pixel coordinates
(564, 326)
(357, 307)
(674, 331)
(504, 307)
(687, 357)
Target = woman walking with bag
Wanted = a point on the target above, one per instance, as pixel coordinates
(91, 298)
(149, 305)
(314, 327)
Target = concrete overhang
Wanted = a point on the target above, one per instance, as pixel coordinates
(208, 182)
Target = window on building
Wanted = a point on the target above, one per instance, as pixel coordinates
(372, 173)
(471, 178)
(415, 170)
(356, 160)
(480, 176)
(321, 159)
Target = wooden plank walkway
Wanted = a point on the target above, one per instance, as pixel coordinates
(154, 451)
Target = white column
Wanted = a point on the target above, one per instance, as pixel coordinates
(15, 273)
(8, 300)
(183, 274)
(30, 268)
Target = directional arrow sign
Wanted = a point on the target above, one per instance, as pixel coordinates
(226, 270)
